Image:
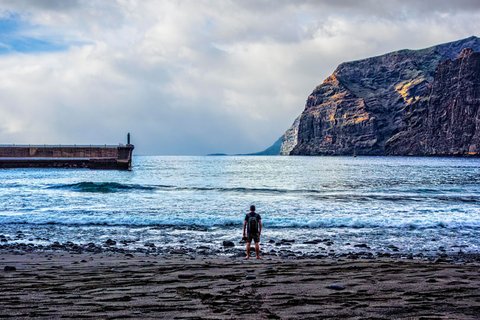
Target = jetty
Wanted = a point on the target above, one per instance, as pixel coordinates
(113, 157)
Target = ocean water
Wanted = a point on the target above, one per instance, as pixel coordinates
(405, 204)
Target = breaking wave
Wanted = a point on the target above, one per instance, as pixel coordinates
(125, 220)
(324, 194)
(100, 187)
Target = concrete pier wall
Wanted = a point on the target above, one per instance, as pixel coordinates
(47, 156)
(59, 152)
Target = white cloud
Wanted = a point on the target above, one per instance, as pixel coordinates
(194, 77)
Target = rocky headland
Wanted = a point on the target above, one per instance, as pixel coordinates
(408, 102)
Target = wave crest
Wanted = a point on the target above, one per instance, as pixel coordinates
(100, 187)
(271, 223)
(322, 195)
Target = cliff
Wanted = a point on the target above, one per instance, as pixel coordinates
(273, 150)
(448, 122)
(408, 102)
(285, 144)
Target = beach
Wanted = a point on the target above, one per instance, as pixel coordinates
(107, 285)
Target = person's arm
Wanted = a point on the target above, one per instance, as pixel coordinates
(259, 227)
(244, 228)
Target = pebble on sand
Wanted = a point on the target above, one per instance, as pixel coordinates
(336, 286)
(149, 244)
(228, 244)
(110, 242)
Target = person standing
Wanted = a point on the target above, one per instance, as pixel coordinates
(252, 229)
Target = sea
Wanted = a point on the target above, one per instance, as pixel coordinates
(308, 205)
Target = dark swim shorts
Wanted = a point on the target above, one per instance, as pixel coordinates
(255, 237)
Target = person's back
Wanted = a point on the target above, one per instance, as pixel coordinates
(252, 229)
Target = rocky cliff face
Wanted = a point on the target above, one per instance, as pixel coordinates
(284, 145)
(409, 102)
(448, 122)
(289, 138)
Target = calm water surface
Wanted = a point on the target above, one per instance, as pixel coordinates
(415, 204)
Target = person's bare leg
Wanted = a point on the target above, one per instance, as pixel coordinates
(248, 250)
(257, 250)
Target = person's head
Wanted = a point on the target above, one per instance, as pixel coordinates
(252, 208)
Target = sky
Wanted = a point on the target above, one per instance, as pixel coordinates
(192, 77)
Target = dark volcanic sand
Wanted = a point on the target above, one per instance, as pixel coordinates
(111, 285)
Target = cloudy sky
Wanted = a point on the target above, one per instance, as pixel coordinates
(192, 77)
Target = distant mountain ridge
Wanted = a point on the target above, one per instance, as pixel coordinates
(407, 102)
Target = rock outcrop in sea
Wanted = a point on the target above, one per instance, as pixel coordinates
(408, 102)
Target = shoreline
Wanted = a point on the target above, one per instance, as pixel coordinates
(113, 284)
(276, 250)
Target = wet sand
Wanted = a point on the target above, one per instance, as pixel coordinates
(115, 285)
